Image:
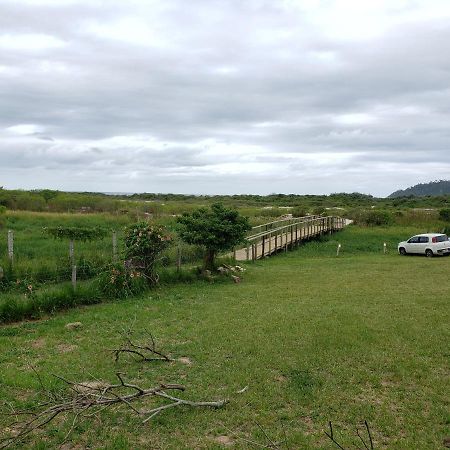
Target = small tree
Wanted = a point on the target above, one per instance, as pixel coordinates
(215, 229)
(144, 243)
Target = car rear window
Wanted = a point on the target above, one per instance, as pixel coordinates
(423, 239)
(441, 238)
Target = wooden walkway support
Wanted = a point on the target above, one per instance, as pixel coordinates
(285, 234)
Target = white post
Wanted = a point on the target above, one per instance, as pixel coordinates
(338, 249)
(11, 245)
(384, 248)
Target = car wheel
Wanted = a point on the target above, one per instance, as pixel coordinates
(402, 251)
(428, 253)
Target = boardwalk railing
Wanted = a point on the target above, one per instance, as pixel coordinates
(270, 240)
(278, 223)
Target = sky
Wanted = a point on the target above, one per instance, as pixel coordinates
(224, 96)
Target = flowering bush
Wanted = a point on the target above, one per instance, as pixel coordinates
(144, 243)
(117, 281)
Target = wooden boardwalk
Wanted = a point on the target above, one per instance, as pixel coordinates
(273, 237)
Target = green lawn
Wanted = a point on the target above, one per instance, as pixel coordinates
(314, 337)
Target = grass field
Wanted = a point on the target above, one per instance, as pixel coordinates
(314, 337)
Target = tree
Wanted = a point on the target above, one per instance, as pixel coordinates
(215, 229)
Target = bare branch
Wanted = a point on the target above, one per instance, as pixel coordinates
(144, 352)
(85, 396)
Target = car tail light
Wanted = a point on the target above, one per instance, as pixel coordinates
(433, 240)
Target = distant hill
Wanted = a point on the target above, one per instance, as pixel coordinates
(441, 187)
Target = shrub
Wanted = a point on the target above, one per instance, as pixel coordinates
(378, 218)
(144, 244)
(372, 218)
(2, 212)
(299, 211)
(444, 214)
(117, 281)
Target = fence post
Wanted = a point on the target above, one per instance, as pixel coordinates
(263, 246)
(11, 245)
(270, 244)
(248, 251)
(384, 247)
(178, 258)
(71, 250)
(338, 249)
(114, 245)
(74, 277)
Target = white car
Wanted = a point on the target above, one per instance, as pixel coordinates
(429, 244)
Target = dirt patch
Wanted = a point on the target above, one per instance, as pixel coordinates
(308, 424)
(38, 343)
(185, 360)
(66, 348)
(73, 325)
(281, 379)
(224, 440)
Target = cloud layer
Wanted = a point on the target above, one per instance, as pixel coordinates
(224, 96)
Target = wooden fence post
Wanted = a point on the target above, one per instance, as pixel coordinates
(74, 277)
(71, 250)
(178, 258)
(11, 245)
(114, 245)
(248, 251)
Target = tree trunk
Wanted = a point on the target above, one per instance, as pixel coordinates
(208, 262)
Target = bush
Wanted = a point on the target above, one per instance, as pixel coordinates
(444, 214)
(116, 281)
(2, 213)
(144, 244)
(299, 211)
(372, 218)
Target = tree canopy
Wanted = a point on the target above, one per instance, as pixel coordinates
(216, 229)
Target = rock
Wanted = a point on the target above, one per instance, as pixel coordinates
(236, 279)
(73, 325)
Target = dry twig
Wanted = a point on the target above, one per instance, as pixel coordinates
(331, 436)
(147, 352)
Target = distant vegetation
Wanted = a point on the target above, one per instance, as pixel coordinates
(441, 187)
(154, 205)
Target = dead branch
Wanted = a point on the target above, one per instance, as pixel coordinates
(92, 397)
(331, 436)
(146, 353)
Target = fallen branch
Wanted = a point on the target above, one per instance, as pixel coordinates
(144, 352)
(94, 397)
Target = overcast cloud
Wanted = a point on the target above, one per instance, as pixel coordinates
(224, 96)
